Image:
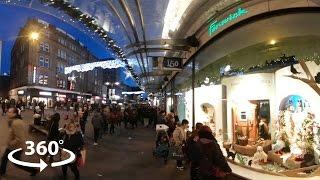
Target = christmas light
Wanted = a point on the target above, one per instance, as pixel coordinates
(110, 64)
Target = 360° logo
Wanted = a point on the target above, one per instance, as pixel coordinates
(41, 149)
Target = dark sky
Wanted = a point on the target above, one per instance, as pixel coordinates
(12, 18)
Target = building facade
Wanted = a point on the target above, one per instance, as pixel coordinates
(37, 68)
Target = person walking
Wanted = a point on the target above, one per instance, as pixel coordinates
(190, 146)
(74, 142)
(208, 155)
(83, 118)
(97, 123)
(54, 133)
(179, 137)
(113, 119)
(3, 106)
(127, 115)
(16, 140)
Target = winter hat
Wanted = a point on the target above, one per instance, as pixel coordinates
(205, 132)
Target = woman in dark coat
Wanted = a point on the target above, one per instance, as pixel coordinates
(208, 156)
(73, 141)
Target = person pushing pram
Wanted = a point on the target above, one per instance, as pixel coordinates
(162, 143)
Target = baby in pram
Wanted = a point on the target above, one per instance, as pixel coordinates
(162, 146)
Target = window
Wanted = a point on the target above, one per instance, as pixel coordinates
(95, 72)
(44, 47)
(62, 41)
(72, 60)
(61, 83)
(73, 47)
(62, 54)
(46, 62)
(22, 48)
(43, 62)
(43, 79)
(60, 68)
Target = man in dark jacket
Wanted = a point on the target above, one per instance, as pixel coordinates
(3, 106)
(97, 122)
(54, 133)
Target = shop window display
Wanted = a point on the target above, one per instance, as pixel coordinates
(296, 140)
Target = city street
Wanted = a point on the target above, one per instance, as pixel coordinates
(126, 155)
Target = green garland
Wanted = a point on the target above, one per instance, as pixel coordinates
(89, 22)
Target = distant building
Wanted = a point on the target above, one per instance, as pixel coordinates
(37, 68)
(4, 86)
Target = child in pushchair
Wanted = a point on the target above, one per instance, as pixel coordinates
(162, 146)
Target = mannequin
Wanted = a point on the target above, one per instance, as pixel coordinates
(263, 129)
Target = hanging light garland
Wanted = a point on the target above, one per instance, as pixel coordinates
(110, 64)
(91, 24)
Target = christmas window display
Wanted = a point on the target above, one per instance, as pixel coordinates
(295, 147)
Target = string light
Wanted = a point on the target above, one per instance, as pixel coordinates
(91, 25)
(110, 64)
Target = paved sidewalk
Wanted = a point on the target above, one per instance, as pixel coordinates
(126, 155)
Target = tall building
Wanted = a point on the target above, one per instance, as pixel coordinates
(38, 63)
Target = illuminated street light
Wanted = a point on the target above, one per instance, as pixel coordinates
(107, 83)
(117, 83)
(273, 42)
(34, 36)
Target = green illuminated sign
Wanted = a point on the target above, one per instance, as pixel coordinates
(217, 24)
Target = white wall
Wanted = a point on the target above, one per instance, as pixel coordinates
(241, 89)
(212, 95)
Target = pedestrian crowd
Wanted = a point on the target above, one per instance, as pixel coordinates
(198, 148)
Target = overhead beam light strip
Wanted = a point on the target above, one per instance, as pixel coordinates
(215, 25)
(110, 64)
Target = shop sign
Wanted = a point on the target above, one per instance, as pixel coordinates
(172, 63)
(45, 93)
(21, 92)
(61, 95)
(214, 26)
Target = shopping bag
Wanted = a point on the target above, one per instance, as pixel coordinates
(83, 155)
(81, 160)
(177, 153)
(64, 155)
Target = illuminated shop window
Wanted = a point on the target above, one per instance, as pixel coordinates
(43, 79)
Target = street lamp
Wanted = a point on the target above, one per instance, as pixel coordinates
(34, 36)
(117, 83)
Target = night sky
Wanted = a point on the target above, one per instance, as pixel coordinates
(12, 18)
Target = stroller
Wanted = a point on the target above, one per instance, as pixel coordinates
(162, 144)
